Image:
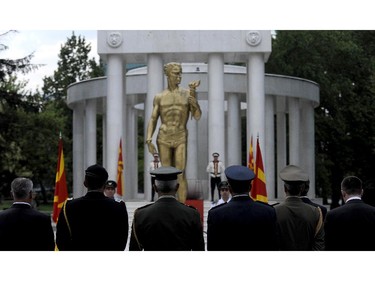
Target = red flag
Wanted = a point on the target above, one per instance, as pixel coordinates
(250, 163)
(259, 191)
(120, 168)
(61, 190)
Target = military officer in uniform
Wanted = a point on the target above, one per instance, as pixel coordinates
(93, 222)
(110, 189)
(154, 164)
(215, 168)
(167, 224)
(241, 224)
(300, 225)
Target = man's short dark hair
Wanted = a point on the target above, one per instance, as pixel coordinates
(351, 185)
(95, 177)
(294, 187)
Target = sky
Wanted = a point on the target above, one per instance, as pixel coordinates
(46, 45)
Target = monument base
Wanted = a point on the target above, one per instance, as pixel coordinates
(198, 204)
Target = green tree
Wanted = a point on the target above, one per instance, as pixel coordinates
(74, 65)
(342, 62)
(14, 100)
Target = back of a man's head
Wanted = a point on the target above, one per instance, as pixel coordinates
(352, 185)
(305, 188)
(21, 188)
(294, 188)
(238, 187)
(239, 178)
(169, 186)
(95, 177)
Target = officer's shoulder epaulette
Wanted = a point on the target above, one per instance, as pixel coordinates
(145, 206)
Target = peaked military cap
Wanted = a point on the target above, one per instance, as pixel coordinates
(215, 154)
(239, 173)
(223, 184)
(166, 173)
(97, 171)
(156, 154)
(111, 184)
(293, 173)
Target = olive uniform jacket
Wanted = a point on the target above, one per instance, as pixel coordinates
(322, 208)
(351, 227)
(95, 223)
(166, 225)
(300, 226)
(25, 229)
(241, 225)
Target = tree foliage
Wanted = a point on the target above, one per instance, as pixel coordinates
(342, 63)
(31, 122)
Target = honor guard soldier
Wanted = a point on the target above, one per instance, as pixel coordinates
(241, 224)
(167, 224)
(154, 164)
(215, 168)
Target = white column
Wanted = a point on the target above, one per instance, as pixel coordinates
(269, 160)
(307, 144)
(294, 116)
(114, 112)
(216, 121)
(104, 125)
(155, 84)
(233, 133)
(281, 143)
(78, 142)
(130, 155)
(256, 101)
(90, 132)
(125, 135)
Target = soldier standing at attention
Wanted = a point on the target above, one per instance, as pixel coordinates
(215, 168)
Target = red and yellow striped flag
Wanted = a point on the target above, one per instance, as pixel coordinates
(250, 163)
(120, 168)
(259, 191)
(61, 190)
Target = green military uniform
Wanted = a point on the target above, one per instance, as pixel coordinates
(167, 224)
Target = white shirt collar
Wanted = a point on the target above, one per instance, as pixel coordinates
(21, 203)
(352, 198)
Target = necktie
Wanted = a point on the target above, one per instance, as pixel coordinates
(215, 168)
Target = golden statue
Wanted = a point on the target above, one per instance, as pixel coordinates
(173, 106)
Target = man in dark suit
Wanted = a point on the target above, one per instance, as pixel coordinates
(305, 199)
(300, 225)
(351, 227)
(93, 222)
(21, 227)
(167, 224)
(241, 224)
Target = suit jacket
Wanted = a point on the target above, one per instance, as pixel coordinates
(166, 225)
(241, 225)
(351, 227)
(25, 229)
(297, 224)
(97, 223)
(308, 201)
